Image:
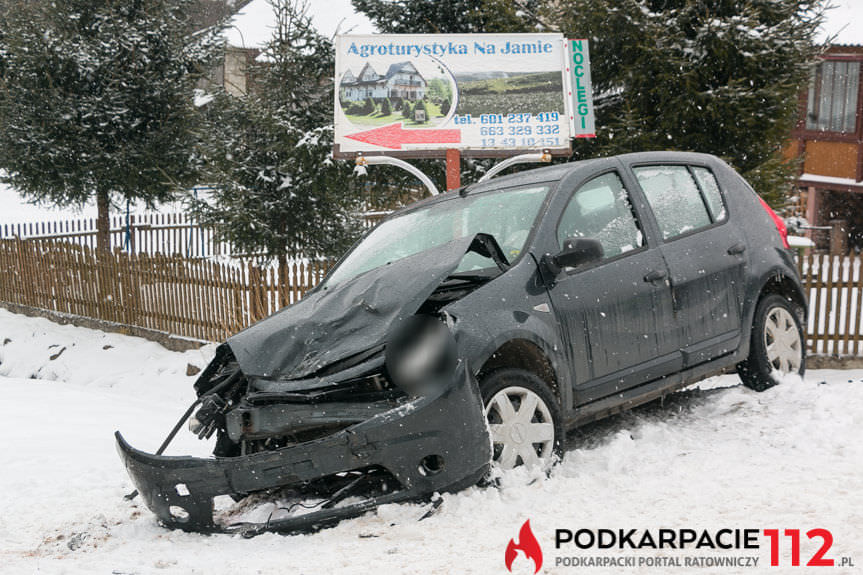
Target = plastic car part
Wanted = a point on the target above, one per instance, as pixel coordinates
(448, 425)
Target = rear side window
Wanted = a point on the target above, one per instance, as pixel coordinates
(675, 199)
(600, 210)
(710, 187)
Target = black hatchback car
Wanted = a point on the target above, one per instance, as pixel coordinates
(476, 327)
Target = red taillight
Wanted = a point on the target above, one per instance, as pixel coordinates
(780, 223)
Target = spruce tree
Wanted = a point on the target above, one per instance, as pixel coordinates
(96, 100)
(444, 107)
(450, 17)
(277, 189)
(708, 75)
(715, 76)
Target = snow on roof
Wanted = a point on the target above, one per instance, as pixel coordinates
(252, 26)
(818, 178)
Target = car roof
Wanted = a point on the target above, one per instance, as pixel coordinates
(560, 171)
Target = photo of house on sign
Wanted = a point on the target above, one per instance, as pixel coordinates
(415, 92)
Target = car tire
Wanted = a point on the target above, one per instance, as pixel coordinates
(504, 394)
(777, 344)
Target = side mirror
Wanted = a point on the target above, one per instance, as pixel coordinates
(578, 251)
(575, 252)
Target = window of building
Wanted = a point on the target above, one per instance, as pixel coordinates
(832, 102)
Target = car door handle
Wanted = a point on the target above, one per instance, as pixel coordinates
(655, 276)
(737, 249)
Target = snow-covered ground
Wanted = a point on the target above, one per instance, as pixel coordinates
(714, 456)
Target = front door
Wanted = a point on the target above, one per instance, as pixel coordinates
(614, 312)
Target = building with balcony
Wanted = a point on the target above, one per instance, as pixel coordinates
(402, 81)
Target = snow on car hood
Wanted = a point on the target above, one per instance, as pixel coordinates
(332, 324)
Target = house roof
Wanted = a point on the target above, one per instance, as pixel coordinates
(357, 81)
(396, 68)
(836, 49)
(391, 71)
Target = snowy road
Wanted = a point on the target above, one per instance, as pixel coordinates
(715, 457)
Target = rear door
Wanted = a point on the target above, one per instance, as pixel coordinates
(613, 312)
(705, 254)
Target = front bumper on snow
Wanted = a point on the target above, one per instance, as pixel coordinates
(448, 426)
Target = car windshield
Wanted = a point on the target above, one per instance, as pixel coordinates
(508, 215)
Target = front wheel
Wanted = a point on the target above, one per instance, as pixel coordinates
(523, 417)
(778, 346)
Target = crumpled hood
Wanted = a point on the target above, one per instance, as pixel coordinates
(332, 324)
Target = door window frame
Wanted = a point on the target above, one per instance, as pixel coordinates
(637, 216)
(689, 168)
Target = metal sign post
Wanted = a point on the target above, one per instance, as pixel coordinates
(453, 169)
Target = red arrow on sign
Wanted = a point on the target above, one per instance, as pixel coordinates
(393, 136)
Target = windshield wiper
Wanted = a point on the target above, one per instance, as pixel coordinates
(467, 278)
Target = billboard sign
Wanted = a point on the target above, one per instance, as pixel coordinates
(484, 94)
(579, 90)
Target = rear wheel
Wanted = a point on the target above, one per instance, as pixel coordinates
(524, 419)
(778, 345)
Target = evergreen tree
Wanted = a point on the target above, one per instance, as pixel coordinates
(444, 107)
(96, 100)
(386, 107)
(709, 76)
(451, 17)
(269, 154)
(369, 106)
(714, 76)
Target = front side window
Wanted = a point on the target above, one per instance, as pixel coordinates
(832, 102)
(674, 198)
(508, 215)
(601, 210)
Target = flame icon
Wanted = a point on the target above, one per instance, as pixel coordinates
(528, 545)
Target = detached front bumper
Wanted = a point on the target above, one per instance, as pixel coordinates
(448, 427)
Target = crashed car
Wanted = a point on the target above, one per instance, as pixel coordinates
(474, 328)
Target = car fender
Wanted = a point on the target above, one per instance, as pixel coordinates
(754, 295)
(481, 327)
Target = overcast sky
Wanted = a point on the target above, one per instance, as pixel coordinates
(253, 26)
(846, 19)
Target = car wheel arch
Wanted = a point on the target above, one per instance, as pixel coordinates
(776, 281)
(522, 353)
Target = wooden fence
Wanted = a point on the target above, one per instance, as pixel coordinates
(208, 300)
(834, 288)
(165, 233)
(187, 297)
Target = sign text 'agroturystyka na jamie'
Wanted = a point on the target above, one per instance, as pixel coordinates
(473, 92)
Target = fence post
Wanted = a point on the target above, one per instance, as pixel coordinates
(255, 304)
